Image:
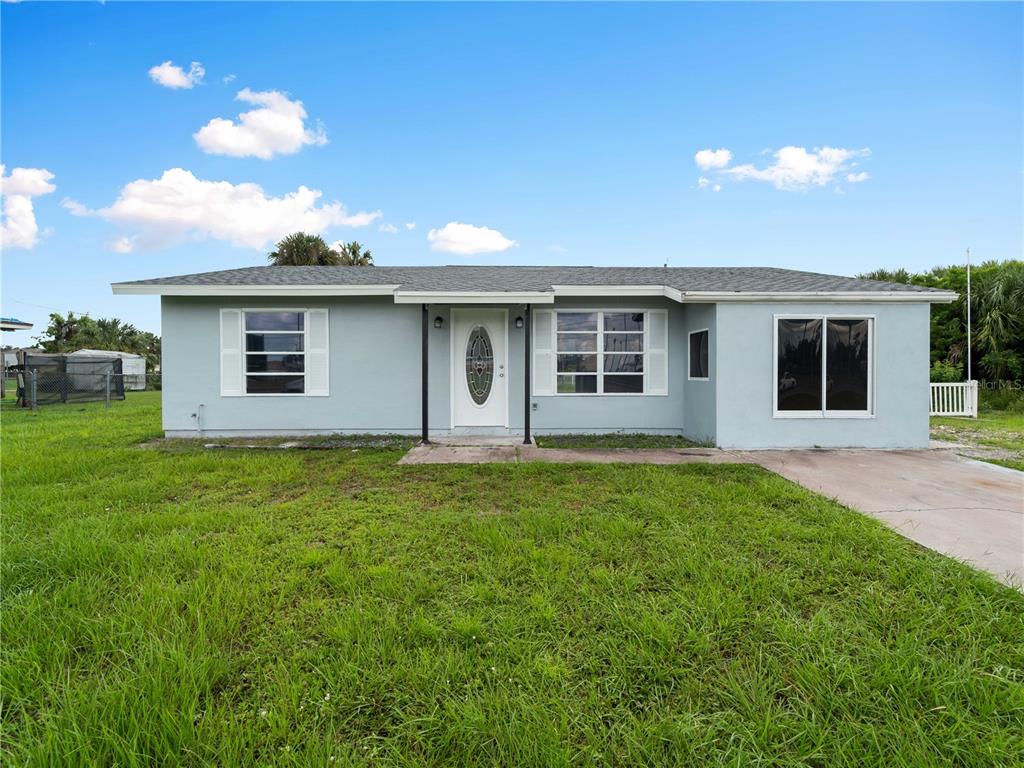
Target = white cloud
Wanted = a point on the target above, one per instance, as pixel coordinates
(74, 207)
(410, 225)
(121, 244)
(227, 79)
(857, 178)
(467, 240)
(717, 188)
(277, 127)
(170, 75)
(19, 228)
(389, 228)
(703, 182)
(166, 211)
(712, 158)
(796, 168)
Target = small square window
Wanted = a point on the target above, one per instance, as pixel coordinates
(699, 355)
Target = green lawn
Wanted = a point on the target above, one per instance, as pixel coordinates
(185, 606)
(1002, 430)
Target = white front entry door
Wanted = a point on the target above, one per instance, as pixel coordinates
(479, 368)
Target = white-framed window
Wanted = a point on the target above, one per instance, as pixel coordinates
(274, 352)
(824, 366)
(699, 357)
(600, 352)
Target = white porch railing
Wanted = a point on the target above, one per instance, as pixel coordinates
(956, 399)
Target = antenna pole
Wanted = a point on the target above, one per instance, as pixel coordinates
(968, 314)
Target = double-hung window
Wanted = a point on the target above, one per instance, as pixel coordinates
(823, 366)
(600, 352)
(275, 352)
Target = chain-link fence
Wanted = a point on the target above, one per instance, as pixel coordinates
(52, 382)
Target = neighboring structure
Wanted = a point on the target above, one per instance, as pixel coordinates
(133, 366)
(48, 379)
(742, 358)
(10, 324)
(14, 324)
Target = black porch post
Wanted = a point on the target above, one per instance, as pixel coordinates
(526, 381)
(425, 429)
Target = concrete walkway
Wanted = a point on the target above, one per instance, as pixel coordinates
(494, 451)
(962, 508)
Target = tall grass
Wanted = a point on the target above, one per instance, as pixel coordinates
(187, 607)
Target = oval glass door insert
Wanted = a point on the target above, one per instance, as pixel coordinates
(479, 364)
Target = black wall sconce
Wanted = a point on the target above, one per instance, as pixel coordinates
(519, 322)
(438, 321)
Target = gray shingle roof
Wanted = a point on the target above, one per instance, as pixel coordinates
(519, 279)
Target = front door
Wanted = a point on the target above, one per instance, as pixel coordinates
(479, 368)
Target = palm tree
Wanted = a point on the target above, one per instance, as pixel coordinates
(999, 307)
(353, 255)
(302, 250)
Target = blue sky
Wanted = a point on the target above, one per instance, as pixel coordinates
(857, 136)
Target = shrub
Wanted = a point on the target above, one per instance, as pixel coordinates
(944, 371)
(1001, 399)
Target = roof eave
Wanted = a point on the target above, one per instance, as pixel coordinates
(904, 297)
(474, 297)
(534, 297)
(166, 289)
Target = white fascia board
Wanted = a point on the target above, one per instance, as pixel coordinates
(675, 294)
(473, 297)
(150, 289)
(617, 290)
(905, 297)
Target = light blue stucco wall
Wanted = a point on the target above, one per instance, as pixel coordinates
(374, 370)
(628, 413)
(699, 404)
(375, 376)
(746, 380)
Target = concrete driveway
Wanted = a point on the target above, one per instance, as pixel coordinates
(960, 507)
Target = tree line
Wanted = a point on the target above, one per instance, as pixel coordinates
(72, 332)
(303, 250)
(997, 318)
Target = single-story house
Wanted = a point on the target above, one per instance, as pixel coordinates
(736, 357)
